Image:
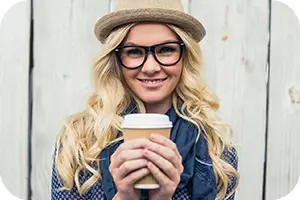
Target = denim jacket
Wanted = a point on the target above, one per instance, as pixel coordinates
(198, 175)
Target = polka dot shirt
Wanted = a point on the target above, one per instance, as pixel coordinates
(96, 191)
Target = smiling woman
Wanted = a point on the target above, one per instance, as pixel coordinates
(151, 63)
(152, 67)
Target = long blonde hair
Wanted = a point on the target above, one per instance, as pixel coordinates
(86, 134)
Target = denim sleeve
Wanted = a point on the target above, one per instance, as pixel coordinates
(231, 157)
(95, 192)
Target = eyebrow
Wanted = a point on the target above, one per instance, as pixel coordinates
(134, 44)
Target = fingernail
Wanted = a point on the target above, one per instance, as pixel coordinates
(152, 137)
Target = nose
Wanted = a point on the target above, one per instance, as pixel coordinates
(151, 65)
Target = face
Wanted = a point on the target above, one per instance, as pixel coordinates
(152, 82)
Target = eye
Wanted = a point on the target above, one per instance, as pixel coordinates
(168, 50)
(133, 52)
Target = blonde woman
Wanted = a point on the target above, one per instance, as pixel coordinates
(151, 63)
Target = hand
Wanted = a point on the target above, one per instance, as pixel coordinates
(165, 165)
(127, 166)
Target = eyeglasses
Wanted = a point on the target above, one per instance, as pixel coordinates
(135, 56)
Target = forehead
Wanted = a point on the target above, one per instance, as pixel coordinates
(150, 33)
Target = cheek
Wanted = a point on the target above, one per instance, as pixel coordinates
(129, 75)
(175, 71)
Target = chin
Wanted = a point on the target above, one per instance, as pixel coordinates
(151, 101)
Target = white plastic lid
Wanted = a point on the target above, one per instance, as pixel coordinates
(148, 120)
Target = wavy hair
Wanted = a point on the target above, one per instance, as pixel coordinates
(87, 133)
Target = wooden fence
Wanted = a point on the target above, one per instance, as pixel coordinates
(252, 62)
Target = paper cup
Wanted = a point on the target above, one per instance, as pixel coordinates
(142, 126)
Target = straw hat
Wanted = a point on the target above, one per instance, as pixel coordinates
(165, 11)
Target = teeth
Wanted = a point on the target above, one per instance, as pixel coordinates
(156, 81)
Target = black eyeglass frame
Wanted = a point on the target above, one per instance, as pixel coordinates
(147, 50)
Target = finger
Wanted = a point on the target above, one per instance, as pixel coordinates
(166, 166)
(133, 177)
(161, 178)
(130, 166)
(126, 156)
(164, 142)
(131, 144)
(165, 152)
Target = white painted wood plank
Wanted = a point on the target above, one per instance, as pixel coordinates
(186, 5)
(284, 107)
(64, 50)
(14, 77)
(235, 52)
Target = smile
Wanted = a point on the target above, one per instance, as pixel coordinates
(152, 83)
(152, 80)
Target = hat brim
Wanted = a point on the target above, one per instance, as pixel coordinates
(109, 22)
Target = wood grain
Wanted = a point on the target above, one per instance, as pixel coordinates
(284, 110)
(14, 81)
(64, 50)
(236, 51)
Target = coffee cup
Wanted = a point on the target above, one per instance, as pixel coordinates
(139, 125)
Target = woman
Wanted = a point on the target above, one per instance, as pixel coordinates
(151, 63)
